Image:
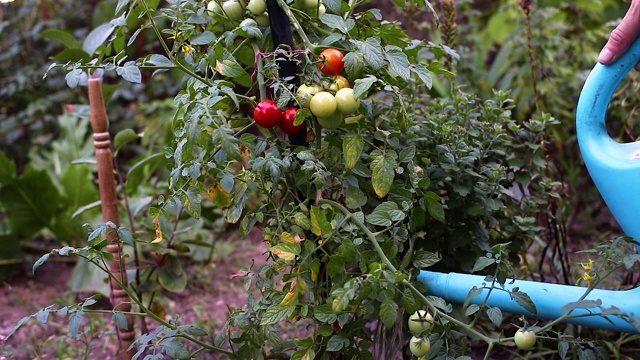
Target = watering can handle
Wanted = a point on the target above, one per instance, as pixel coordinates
(597, 93)
(614, 167)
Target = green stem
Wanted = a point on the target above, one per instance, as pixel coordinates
(166, 48)
(296, 25)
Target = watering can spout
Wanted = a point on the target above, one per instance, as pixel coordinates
(609, 309)
(614, 167)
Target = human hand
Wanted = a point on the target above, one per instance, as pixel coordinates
(622, 36)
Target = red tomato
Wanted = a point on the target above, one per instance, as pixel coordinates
(331, 61)
(267, 114)
(287, 126)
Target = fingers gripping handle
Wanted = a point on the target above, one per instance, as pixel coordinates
(614, 167)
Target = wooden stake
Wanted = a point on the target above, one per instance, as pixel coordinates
(107, 185)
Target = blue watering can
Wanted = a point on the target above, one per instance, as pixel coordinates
(615, 169)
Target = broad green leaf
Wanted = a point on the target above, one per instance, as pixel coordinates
(130, 72)
(302, 220)
(31, 202)
(325, 314)
(336, 22)
(410, 302)
(434, 206)
(354, 197)
(275, 314)
(482, 262)
(337, 343)
(7, 169)
(304, 354)
(228, 66)
(175, 349)
(205, 38)
(354, 64)
(62, 37)
(471, 309)
(192, 330)
(382, 173)
(398, 61)
(72, 56)
(75, 320)
(424, 259)
(385, 214)
(371, 50)
(363, 85)
(424, 75)
(124, 137)
(352, 146)
(495, 315)
(388, 313)
(171, 275)
(120, 320)
(160, 60)
(97, 37)
(524, 300)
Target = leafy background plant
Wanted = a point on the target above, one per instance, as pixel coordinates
(435, 172)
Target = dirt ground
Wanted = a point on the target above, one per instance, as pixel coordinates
(205, 303)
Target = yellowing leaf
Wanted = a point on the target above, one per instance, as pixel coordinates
(159, 236)
(352, 146)
(220, 197)
(286, 251)
(288, 238)
(292, 296)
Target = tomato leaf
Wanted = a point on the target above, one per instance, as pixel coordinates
(97, 37)
(354, 197)
(319, 224)
(352, 146)
(337, 343)
(62, 37)
(525, 301)
(434, 206)
(424, 75)
(363, 85)
(495, 315)
(385, 214)
(388, 313)
(382, 172)
(130, 72)
(325, 314)
(124, 137)
(371, 50)
(398, 61)
(276, 313)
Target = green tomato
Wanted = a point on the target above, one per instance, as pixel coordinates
(311, 4)
(257, 7)
(419, 346)
(233, 9)
(346, 102)
(332, 122)
(525, 339)
(323, 104)
(420, 322)
(305, 93)
(214, 8)
(321, 9)
(263, 19)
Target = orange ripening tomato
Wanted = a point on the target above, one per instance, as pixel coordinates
(331, 61)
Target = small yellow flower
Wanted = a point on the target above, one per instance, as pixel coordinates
(187, 49)
(586, 277)
(175, 35)
(588, 266)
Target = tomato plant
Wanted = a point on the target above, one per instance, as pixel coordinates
(267, 114)
(257, 7)
(331, 61)
(398, 174)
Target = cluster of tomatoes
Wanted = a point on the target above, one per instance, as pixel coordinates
(420, 323)
(329, 103)
(232, 12)
(268, 115)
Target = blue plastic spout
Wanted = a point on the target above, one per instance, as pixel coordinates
(614, 167)
(549, 299)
